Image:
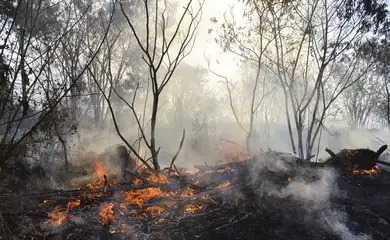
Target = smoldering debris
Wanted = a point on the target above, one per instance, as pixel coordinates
(241, 199)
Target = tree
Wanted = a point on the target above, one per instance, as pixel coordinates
(192, 104)
(249, 41)
(306, 42)
(378, 50)
(162, 52)
(31, 46)
(360, 99)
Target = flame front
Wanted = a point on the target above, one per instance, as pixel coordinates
(374, 171)
(60, 213)
(134, 200)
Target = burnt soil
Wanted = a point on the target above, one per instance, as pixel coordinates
(254, 206)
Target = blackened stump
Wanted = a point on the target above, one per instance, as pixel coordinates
(355, 159)
(127, 163)
(117, 159)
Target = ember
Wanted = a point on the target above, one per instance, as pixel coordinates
(225, 184)
(374, 171)
(154, 210)
(226, 197)
(193, 207)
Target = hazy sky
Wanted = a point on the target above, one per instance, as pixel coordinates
(205, 43)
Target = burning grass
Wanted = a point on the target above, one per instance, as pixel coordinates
(155, 196)
(131, 202)
(60, 212)
(224, 199)
(106, 213)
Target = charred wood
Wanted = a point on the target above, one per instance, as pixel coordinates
(350, 159)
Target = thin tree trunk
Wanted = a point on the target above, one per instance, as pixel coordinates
(23, 75)
(153, 131)
(388, 102)
(253, 110)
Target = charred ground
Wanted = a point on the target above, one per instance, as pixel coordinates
(266, 196)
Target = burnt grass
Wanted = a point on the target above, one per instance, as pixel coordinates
(364, 200)
(254, 206)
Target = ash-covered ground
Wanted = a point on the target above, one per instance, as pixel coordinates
(265, 198)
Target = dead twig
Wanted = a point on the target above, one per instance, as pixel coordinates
(178, 150)
(331, 153)
(137, 175)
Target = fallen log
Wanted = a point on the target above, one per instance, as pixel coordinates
(82, 192)
(28, 213)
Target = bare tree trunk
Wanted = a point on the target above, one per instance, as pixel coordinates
(153, 132)
(64, 147)
(23, 75)
(253, 108)
(289, 120)
(73, 102)
(3, 83)
(388, 101)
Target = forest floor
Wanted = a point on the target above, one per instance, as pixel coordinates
(261, 197)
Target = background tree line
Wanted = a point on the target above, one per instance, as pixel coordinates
(73, 67)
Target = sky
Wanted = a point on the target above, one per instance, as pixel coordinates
(205, 43)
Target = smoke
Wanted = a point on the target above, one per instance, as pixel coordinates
(316, 198)
(335, 220)
(189, 103)
(315, 194)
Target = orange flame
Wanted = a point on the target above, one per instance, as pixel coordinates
(225, 184)
(193, 207)
(140, 196)
(106, 213)
(72, 204)
(101, 172)
(154, 210)
(99, 168)
(59, 214)
(374, 171)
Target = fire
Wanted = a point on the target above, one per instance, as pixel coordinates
(133, 197)
(154, 210)
(374, 171)
(60, 213)
(193, 207)
(189, 191)
(225, 184)
(72, 204)
(99, 168)
(161, 178)
(102, 174)
(140, 196)
(106, 213)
